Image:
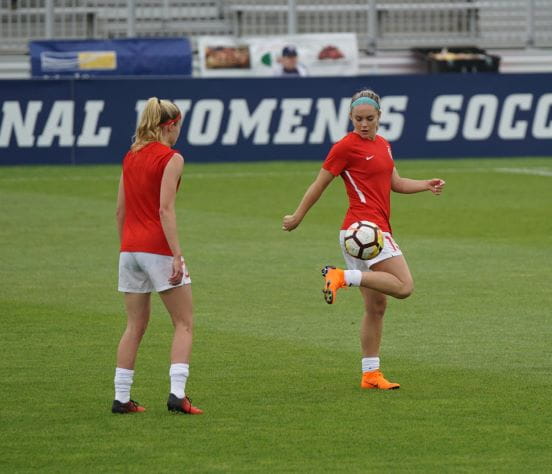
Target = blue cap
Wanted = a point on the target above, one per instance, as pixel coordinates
(289, 51)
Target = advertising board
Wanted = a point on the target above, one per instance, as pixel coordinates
(92, 121)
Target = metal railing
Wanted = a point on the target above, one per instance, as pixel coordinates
(379, 24)
(400, 24)
(24, 20)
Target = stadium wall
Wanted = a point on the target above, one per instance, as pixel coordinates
(435, 116)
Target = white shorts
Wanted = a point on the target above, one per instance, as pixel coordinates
(390, 249)
(142, 272)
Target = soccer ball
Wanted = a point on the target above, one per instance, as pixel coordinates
(364, 240)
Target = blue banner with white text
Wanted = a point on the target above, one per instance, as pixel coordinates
(92, 121)
(113, 57)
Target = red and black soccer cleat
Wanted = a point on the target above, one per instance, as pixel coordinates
(129, 407)
(182, 405)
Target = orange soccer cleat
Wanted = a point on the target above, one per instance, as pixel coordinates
(376, 379)
(182, 405)
(129, 407)
(334, 279)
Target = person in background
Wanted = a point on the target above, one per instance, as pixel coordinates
(364, 161)
(151, 256)
(288, 64)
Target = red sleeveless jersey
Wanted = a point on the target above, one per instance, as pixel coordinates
(142, 174)
(366, 167)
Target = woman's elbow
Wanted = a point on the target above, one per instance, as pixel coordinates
(165, 211)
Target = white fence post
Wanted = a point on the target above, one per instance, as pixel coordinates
(530, 40)
(166, 14)
(131, 20)
(292, 17)
(372, 26)
(49, 19)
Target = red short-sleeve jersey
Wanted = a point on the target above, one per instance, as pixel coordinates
(366, 167)
(142, 174)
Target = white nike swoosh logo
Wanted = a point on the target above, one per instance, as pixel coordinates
(369, 157)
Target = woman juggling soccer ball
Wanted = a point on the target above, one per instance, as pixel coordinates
(363, 160)
(151, 257)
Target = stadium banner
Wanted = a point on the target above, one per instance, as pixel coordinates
(117, 57)
(331, 54)
(246, 119)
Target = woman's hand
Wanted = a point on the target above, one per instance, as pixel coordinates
(435, 185)
(290, 222)
(314, 191)
(177, 270)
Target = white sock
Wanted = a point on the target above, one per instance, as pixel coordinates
(370, 364)
(123, 382)
(179, 374)
(353, 277)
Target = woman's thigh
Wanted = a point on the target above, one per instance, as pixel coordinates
(178, 302)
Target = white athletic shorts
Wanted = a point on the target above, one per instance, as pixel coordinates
(142, 272)
(390, 249)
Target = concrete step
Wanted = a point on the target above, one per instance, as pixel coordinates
(512, 61)
(524, 60)
(15, 66)
(383, 63)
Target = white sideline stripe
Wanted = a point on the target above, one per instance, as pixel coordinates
(250, 174)
(253, 174)
(534, 172)
(185, 176)
(359, 192)
(54, 178)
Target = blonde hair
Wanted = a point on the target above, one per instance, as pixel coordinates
(366, 93)
(156, 113)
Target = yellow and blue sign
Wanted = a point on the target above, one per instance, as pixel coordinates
(123, 57)
(97, 60)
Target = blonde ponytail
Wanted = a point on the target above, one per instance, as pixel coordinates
(157, 113)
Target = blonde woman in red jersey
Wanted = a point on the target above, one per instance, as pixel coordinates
(151, 256)
(363, 159)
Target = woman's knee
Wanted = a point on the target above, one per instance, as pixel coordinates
(137, 330)
(405, 290)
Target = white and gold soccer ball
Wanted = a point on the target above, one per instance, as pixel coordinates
(364, 240)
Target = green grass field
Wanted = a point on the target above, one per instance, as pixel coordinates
(276, 370)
